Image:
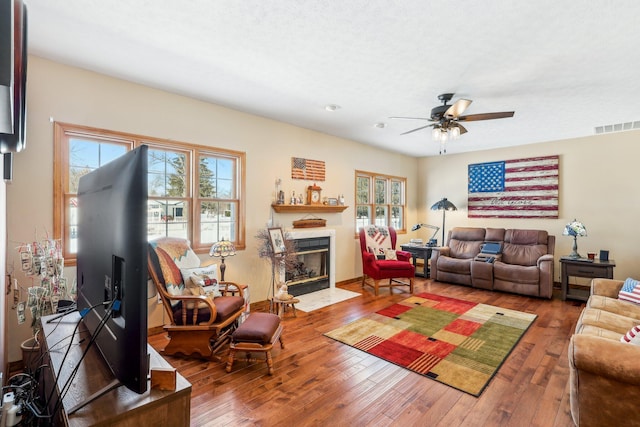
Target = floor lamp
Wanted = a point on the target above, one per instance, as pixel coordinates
(443, 205)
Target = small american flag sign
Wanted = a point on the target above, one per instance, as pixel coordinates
(312, 170)
(522, 188)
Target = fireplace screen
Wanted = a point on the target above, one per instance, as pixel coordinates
(311, 270)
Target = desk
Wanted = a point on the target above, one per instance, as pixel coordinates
(419, 252)
(576, 268)
(119, 407)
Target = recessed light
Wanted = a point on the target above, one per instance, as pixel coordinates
(380, 125)
(331, 107)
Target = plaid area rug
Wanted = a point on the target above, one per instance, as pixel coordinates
(458, 343)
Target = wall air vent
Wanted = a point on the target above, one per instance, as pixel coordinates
(618, 127)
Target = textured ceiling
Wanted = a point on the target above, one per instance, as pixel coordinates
(563, 67)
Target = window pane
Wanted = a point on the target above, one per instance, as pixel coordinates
(86, 156)
(217, 178)
(363, 216)
(167, 173)
(217, 221)
(207, 177)
(396, 217)
(396, 193)
(381, 215)
(362, 190)
(381, 191)
(72, 224)
(167, 217)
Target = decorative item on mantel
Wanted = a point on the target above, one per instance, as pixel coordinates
(574, 229)
(309, 222)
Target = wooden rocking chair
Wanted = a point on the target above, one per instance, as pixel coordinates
(198, 325)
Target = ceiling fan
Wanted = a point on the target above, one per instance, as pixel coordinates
(446, 118)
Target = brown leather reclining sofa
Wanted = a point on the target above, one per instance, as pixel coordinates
(525, 265)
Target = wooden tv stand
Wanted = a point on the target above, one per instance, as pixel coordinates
(118, 407)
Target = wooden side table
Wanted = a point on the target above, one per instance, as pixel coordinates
(577, 268)
(419, 252)
(279, 306)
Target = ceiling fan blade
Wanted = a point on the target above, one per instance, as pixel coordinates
(410, 118)
(462, 128)
(486, 116)
(457, 108)
(416, 129)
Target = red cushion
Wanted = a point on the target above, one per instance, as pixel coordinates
(387, 264)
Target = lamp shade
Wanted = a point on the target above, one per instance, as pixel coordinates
(223, 248)
(443, 205)
(575, 228)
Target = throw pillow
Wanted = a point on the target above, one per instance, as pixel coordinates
(203, 279)
(632, 337)
(390, 254)
(630, 291)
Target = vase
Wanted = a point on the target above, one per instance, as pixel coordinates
(30, 354)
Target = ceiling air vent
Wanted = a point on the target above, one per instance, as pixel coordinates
(618, 127)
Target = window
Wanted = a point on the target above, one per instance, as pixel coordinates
(195, 192)
(380, 200)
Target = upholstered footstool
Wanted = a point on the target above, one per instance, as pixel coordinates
(256, 334)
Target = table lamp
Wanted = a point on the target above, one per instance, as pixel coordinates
(574, 229)
(222, 249)
(432, 241)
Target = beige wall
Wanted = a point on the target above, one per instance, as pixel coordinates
(71, 95)
(598, 186)
(597, 174)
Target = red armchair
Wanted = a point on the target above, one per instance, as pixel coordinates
(381, 261)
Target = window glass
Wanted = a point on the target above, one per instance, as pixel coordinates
(201, 204)
(380, 200)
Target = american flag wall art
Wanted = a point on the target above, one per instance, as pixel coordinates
(313, 170)
(521, 188)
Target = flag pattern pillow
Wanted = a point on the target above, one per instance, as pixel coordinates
(632, 337)
(630, 291)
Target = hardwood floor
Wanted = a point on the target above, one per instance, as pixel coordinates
(319, 381)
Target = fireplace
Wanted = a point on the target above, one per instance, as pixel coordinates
(315, 269)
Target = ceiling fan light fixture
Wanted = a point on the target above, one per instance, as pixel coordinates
(455, 132)
(444, 135)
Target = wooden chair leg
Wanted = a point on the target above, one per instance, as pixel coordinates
(232, 354)
(269, 362)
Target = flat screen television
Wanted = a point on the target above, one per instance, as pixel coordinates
(112, 264)
(13, 75)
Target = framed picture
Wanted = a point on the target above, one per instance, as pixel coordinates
(277, 240)
(332, 201)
